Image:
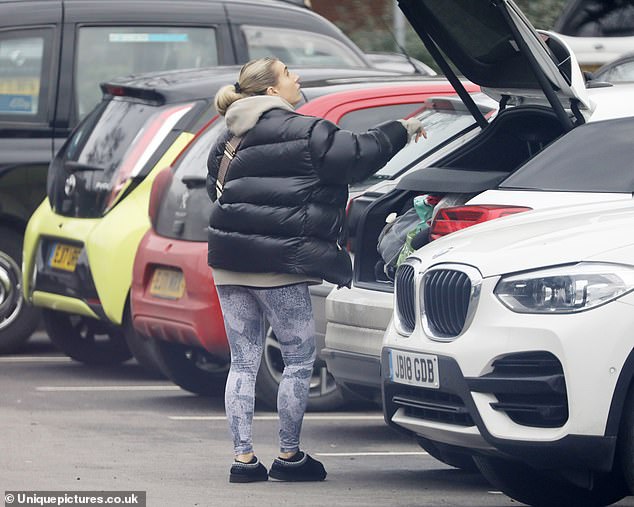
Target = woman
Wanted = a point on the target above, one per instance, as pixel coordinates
(279, 205)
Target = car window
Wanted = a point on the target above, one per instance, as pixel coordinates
(601, 19)
(297, 47)
(24, 61)
(193, 162)
(111, 147)
(441, 126)
(105, 52)
(596, 157)
(186, 200)
(361, 120)
(618, 73)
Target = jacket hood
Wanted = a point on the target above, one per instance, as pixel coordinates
(243, 114)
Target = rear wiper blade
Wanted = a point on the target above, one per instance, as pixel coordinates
(194, 181)
(74, 167)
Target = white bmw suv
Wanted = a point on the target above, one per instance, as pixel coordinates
(512, 344)
(542, 96)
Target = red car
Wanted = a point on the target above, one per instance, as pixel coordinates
(173, 297)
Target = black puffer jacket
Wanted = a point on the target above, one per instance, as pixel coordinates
(284, 198)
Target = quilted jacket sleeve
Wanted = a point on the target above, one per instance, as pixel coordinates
(341, 156)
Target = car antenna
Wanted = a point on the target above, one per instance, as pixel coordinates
(401, 48)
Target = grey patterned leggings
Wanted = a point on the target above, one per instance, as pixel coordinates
(289, 311)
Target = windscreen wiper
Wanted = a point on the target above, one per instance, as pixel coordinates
(75, 167)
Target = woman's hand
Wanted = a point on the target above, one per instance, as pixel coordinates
(414, 129)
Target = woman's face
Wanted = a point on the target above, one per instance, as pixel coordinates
(287, 85)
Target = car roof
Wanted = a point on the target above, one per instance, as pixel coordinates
(315, 88)
(191, 84)
(331, 95)
(258, 2)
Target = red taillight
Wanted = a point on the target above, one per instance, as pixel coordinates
(350, 225)
(147, 94)
(453, 219)
(159, 185)
(117, 91)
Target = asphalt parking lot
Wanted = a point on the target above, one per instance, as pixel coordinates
(69, 427)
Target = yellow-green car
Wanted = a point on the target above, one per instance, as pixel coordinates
(80, 243)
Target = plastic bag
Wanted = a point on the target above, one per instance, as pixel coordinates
(424, 206)
(394, 235)
(395, 241)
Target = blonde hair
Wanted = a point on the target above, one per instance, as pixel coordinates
(254, 79)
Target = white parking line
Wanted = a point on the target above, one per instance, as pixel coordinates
(273, 417)
(371, 453)
(36, 359)
(106, 388)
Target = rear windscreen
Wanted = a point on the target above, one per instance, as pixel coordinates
(440, 126)
(114, 146)
(185, 207)
(596, 157)
(443, 123)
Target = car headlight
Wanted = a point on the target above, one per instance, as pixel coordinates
(565, 289)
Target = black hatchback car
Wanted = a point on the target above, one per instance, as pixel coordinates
(54, 54)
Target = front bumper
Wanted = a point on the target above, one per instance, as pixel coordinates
(451, 416)
(539, 388)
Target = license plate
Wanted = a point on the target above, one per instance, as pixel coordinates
(64, 257)
(414, 369)
(167, 283)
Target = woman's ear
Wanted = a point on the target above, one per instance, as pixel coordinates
(271, 91)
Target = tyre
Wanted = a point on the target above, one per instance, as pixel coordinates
(324, 392)
(86, 340)
(449, 455)
(192, 368)
(18, 320)
(543, 489)
(143, 348)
